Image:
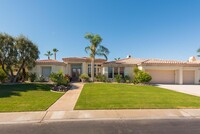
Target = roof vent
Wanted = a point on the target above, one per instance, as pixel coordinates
(128, 56)
(192, 59)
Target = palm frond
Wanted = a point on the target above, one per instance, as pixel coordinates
(102, 54)
(89, 36)
(55, 50)
(104, 49)
(87, 49)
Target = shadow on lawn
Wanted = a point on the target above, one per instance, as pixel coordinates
(15, 89)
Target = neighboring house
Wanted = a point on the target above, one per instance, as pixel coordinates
(162, 71)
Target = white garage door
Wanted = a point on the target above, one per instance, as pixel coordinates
(188, 77)
(162, 76)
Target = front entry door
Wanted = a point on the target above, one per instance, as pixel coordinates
(76, 71)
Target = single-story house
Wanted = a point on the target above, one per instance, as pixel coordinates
(162, 71)
(73, 66)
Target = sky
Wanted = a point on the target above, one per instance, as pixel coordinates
(162, 29)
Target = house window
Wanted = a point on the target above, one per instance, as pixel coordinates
(115, 71)
(110, 72)
(89, 70)
(121, 71)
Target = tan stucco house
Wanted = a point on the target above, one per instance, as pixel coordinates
(162, 71)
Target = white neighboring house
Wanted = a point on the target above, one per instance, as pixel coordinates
(162, 71)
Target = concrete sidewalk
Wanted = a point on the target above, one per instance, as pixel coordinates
(50, 116)
(62, 110)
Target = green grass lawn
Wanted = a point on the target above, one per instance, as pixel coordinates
(123, 96)
(26, 97)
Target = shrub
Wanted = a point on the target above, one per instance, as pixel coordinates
(141, 77)
(136, 70)
(3, 75)
(59, 78)
(68, 77)
(84, 77)
(126, 78)
(101, 78)
(32, 77)
(118, 78)
(41, 79)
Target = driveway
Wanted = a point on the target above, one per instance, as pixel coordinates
(188, 89)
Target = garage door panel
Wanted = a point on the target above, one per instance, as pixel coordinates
(188, 77)
(162, 76)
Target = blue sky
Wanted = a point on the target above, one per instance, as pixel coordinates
(164, 29)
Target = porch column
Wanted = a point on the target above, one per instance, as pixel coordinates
(180, 75)
(105, 71)
(69, 70)
(197, 77)
(84, 68)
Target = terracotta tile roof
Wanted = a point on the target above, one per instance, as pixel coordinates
(160, 61)
(128, 61)
(167, 62)
(139, 61)
(50, 61)
(82, 59)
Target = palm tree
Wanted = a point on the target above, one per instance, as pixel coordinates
(49, 54)
(55, 51)
(117, 58)
(198, 51)
(95, 49)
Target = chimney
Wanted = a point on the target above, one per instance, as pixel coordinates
(128, 56)
(192, 59)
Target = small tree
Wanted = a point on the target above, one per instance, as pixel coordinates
(16, 54)
(49, 54)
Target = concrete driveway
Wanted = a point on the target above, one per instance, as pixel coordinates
(188, 89)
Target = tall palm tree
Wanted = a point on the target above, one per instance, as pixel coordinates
(55, 51)
(198, 51)
(49, 54)
(95, 49)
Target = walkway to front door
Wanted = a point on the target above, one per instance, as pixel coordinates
(68, 100)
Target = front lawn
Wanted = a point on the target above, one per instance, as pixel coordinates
(26, 97)
(123, 96)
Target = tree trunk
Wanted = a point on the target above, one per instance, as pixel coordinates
(23, 74)
(54, 56)
(3, 67)
(15, 78)
(92, 69)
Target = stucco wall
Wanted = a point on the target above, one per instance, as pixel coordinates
(54, 68)
(129, 71)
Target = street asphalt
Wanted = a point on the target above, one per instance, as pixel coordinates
(175, 126)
